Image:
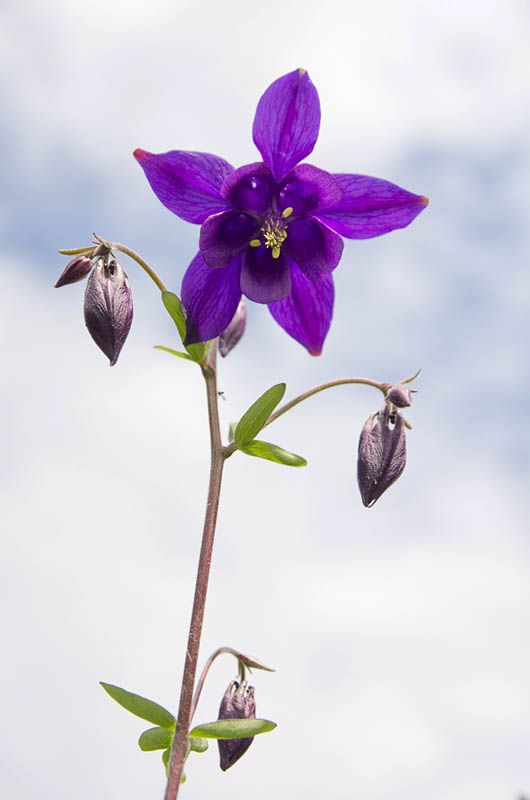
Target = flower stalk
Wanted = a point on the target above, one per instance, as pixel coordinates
(179, 746)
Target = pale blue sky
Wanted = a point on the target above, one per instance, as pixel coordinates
(401, 631)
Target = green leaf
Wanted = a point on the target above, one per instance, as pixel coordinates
(155, 739)
(257, 415)
(141, 706)
(174, 309)
(233, 728)
(273, 453)
(232, 431)
(173, 352)
(198, 745)
(198, 352)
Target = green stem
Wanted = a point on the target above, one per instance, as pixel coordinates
(139, 260)
(383, 387)
(179, 748)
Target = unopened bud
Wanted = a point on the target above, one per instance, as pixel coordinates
(108, 307)
(237, 703)
(382, 454)
(231, 336)
(76, 269)
(399, 396)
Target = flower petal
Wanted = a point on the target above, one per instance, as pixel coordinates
(306, 313)
(249, 187)
(315, 247)
(264, 279)
(210, 298)
(185, 182)
(371, 207)
(308, 189)
(225, 235)
(287, 121)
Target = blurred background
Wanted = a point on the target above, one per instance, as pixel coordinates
(400, 634)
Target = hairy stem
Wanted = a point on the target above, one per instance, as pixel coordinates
(179, 748)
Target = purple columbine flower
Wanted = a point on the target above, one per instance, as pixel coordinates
(272, 230)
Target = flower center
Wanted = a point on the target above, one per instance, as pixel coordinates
(274, 230)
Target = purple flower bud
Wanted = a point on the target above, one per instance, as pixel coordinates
(399, 396)
(237, 703)
(382, 454)
(108, 307)
(231, 336)
(76, 269)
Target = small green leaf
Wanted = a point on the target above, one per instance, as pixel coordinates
(233, 728)
(257, 415)
(198, 352)
(166, 755)
(232, 431)
(173, 352)
(174, 309)
(273, 453)
(155, 739)
(198, 745)
(141, 706)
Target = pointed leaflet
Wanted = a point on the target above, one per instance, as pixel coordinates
(233, 728)
(273, 453)
(257, 415)
(141, 706)
(173, 352)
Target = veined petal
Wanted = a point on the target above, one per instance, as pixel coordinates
(371, 207)
(315, 247)
(249, 187)
(264, 279)
(306, 314)
(287, 121)
(210, 298)
(187, 183)
(308, 189)
(225, 235)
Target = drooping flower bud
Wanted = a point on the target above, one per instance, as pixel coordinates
(382, 454)
(231, 336)
(399, 396)
(108, 307)
(237, 703)
(76, 269)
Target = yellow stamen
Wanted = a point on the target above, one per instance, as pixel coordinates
(255, 243)
(275, 252)
(287, 212)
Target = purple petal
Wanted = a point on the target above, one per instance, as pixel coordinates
(225, 235)
(306, 313)
(315, 247)
(371, 207)
(210, 298)
(287, 121)
(264, 279)
(308, 189)
(249, 187)
(185, 182)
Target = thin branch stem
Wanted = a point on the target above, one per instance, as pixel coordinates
(321, 388)
(179, 749)
(383, 387)
(122, 248)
